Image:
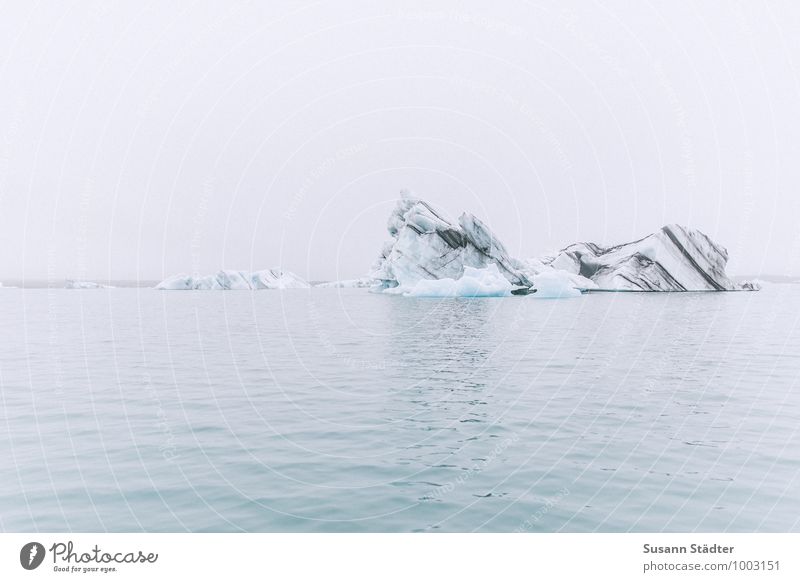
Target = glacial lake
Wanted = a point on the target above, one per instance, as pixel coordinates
(332, 410)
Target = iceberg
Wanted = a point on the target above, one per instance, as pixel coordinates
(675, 258)
(235, 280)
(754, 285)
(429, 255)
(363, 282)
(70, 284)
(428, 246)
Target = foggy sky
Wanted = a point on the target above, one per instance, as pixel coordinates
(140, 140)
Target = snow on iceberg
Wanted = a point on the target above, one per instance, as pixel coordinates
(428, 246)
(486, 282)
(675, 258)
(235, 280)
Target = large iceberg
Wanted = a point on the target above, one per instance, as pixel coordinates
(675, 258)
(430, 254)
(235, 280)
(426, 245)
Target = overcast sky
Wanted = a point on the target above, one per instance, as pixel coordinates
(143, 139)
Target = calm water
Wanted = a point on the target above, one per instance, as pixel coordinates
(339, 410)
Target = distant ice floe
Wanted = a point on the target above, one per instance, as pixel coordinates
(70, 284)
(363, 282)
(753, 285)
(235, 281)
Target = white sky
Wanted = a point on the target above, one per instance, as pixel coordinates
(143, 139)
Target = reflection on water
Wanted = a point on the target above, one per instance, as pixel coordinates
(340, 410)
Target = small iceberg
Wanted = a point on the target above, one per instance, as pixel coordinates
(235, 281)
(71, 284)
(752, 285)
(361, 283)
